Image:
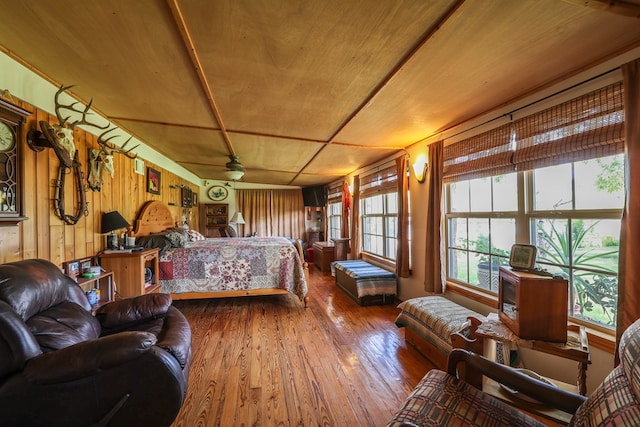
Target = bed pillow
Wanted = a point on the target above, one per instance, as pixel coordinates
(194, 236)
(154, 241)
(176, 238)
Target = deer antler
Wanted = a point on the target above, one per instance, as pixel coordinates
(85, 112)
(109, 148)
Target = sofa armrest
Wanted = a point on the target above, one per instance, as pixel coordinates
(88, 358)
(175, 337)
(510, 377)
(121, 314)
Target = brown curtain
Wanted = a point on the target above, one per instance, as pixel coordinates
(434, 256)
(629, 274)
(271, 212)
(287, 213)
(255, 206)
(355, 219)
(402, 255)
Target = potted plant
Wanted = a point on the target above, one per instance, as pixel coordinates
(489, 262)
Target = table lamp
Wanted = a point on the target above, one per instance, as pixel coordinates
(237, 218)
(112, 221)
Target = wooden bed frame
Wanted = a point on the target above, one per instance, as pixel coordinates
(155, 217)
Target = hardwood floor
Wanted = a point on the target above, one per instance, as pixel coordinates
(268, 361)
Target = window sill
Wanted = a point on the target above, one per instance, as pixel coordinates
(379, 261)
(600, 339)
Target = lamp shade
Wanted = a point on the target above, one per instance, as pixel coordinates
(234, 175)
(112, 221)
(237, 218)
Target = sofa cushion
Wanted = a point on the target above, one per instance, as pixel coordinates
(63, 325)
(440, 399)
(629, 351)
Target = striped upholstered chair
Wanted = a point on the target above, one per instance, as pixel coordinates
(442, 399)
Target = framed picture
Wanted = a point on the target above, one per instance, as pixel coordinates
(522, 256)
(72, 269)
(153, 181)
(138, 166)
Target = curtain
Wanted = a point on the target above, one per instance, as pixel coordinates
(629, 276)
(402, 255)
(434, 256)
(271, 212)
(355, 219)
(287, 213)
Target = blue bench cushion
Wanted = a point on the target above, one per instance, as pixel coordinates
(370, 280)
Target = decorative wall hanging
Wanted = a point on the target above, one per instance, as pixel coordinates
(101, 159)
(60, 138)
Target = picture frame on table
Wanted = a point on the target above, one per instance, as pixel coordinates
(522, 256)
(71, 268)
(153, 181)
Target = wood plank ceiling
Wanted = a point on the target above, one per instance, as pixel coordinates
(306, 91)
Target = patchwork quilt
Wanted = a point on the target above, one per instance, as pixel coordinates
(227, 264)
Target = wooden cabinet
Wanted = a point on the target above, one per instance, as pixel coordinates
(215, 216)
(534, 307)
(135, 273)
(342, 248)
(323, 255)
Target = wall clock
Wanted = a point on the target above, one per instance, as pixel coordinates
(7, 137)
(217, 193)
(11, 119)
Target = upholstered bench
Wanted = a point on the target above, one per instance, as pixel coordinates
(429, 323)
(364, 282)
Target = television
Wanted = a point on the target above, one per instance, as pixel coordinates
(315, 196)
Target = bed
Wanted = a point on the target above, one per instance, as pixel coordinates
(223, 267)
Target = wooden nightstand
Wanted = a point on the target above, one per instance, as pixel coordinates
(129, 271)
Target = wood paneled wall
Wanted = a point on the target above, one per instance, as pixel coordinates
(43, 235)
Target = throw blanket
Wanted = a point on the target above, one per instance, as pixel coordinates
(370, 280)
(227, 264)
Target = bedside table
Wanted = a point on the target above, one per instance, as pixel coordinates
(129, 271)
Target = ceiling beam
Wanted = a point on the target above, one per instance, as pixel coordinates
(613, 6)
(195, 59)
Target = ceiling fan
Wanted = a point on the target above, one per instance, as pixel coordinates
(235, 170)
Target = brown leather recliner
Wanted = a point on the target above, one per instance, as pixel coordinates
(62, 366)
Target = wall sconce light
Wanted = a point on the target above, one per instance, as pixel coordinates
(420, 167)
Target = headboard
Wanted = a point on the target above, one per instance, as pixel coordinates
(154, 217)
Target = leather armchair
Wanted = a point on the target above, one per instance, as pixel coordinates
(62, 366)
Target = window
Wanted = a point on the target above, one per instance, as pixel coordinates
(334, 216)
(566, 198)
(379, 212)
(380, 224)
(481, 227)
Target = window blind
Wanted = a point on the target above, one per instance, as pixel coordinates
(382, 180)
(334, 193)
(586, 127)
(583, 128)
(486, 154)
